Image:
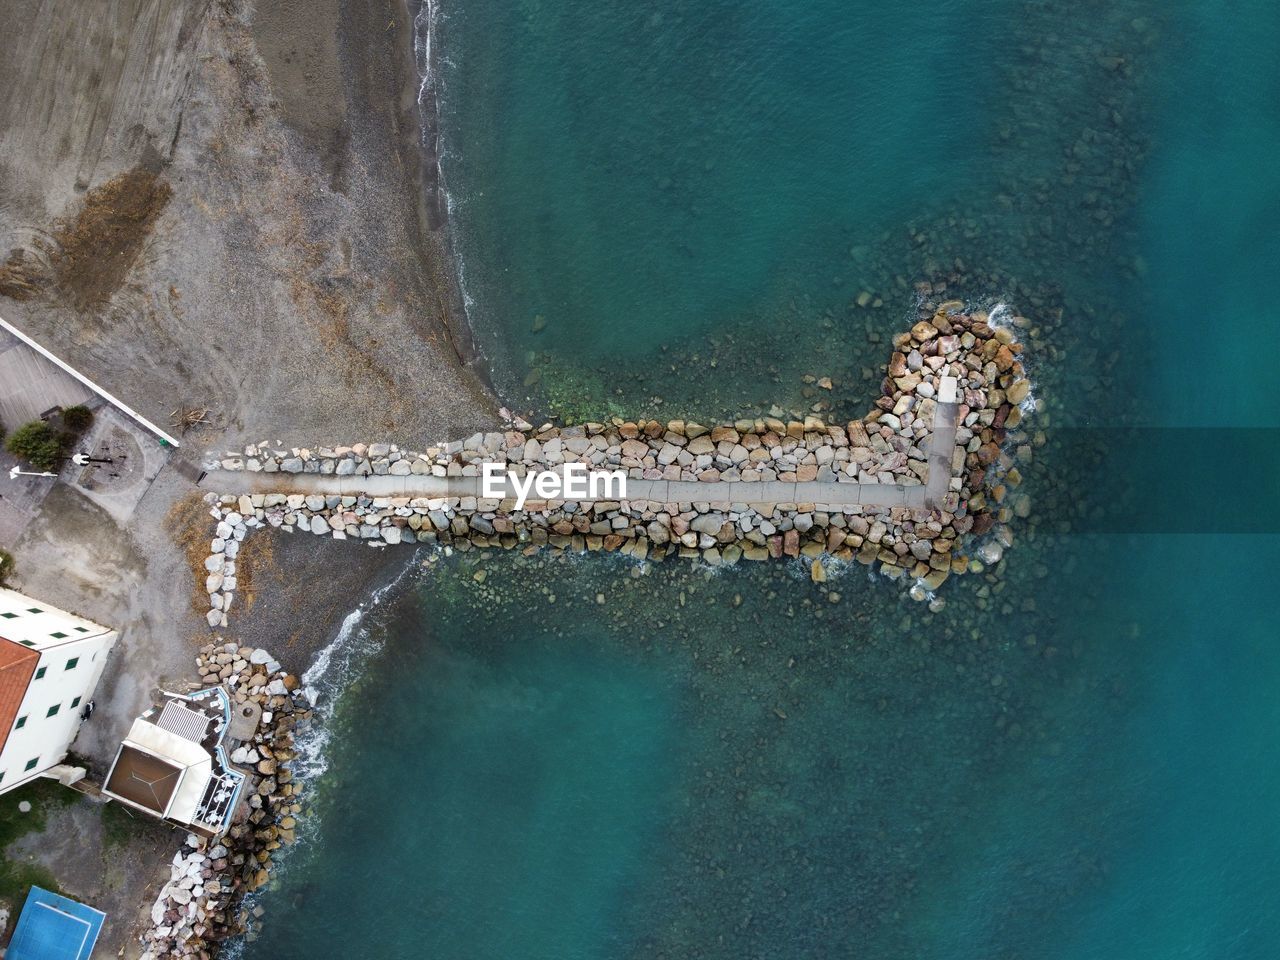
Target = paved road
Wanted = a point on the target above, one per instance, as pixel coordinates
(829, 493)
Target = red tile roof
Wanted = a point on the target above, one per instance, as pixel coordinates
(17, 664)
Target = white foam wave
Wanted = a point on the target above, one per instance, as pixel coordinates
(424, 30)
(334, 669)
(1000, 315)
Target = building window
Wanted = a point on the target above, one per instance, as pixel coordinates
(58, 635)
(40, 673)
(9, 616)
(27, 643)
(31, 764)
(1, 776)
(34, 610)
(82, 629)
(75, 703)
(71, 664)
(53, 710)
(22, 722)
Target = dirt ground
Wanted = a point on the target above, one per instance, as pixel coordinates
(91, 852)
(292, 283)
(200, 210)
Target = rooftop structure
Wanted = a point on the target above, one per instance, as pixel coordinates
(50, 663)
(172, 764)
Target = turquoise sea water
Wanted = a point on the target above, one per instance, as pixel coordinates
(1075, 758)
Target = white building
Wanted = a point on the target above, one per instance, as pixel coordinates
(50, 662)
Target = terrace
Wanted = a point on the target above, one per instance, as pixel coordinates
(173, 764)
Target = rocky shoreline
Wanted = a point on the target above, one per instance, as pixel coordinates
(967, 531)
(200, 905)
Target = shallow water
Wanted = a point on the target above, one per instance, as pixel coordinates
(1075, 757)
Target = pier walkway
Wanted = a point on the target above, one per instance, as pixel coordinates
(838, 493)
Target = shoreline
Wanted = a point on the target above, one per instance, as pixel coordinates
(419, 105)
(298, 216)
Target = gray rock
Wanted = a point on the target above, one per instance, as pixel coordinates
(991, 552)
(291, 465)
(709, 523)
(658, 533)
(667, 455)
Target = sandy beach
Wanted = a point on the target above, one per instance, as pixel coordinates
(277, 263)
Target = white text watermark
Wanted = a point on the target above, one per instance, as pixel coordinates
(575, 482)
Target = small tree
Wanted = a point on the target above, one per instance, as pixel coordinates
(38, 444)
(77, 419)
(6, 565)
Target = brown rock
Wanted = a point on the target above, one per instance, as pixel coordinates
(636, 449)
(924, 330)
(791, 543)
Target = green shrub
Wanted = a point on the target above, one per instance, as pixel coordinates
(77, 419)
(38, 444)
(6, 565)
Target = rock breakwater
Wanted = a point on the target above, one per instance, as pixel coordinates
(928, 506)
(199, 907)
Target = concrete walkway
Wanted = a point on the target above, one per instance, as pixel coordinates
(31, 385)
(842, 493)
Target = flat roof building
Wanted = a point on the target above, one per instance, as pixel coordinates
(50, 663)
(172, 764)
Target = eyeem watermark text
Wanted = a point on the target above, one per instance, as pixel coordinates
(577, 482)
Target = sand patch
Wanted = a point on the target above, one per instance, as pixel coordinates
(21, 276)
(96, 250)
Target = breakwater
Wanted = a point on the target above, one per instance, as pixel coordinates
(200, 905)
(923, 486)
